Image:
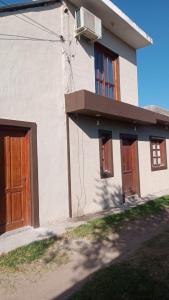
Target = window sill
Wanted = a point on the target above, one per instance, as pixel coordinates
(106, 175)
(158, 168)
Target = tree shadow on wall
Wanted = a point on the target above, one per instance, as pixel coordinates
(110, 196)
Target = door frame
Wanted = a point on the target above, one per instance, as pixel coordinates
(31, 129)
(134, 138)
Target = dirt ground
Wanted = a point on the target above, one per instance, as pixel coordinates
(67, 265)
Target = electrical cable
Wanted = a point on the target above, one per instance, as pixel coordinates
(15, 37)
(31, 21)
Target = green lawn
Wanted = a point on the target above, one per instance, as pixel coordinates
(101, 226)
(25, 254)
(97, 228)
(144, 276)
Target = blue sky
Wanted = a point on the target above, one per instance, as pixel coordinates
(153, 62)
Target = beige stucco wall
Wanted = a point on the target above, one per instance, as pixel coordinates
(31, 89)
(37, 68)
(82, 60)
(152, 182)
(90, 193)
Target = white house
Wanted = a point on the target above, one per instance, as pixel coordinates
(73, 140)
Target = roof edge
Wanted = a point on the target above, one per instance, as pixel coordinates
(20, 6)
(131, 23)
(117, 22)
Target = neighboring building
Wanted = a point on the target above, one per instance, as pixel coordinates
(157, 109)
(66, 156)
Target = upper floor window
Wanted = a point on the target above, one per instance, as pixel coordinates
(106, 72)
(158, 153)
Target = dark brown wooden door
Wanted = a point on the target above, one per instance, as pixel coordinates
(14, 180)
(129, 159)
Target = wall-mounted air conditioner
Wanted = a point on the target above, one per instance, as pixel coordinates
(88, 25)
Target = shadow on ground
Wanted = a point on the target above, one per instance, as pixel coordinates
(117, 246)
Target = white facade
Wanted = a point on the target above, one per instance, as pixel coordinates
(37, 68)
(90, 192)
(81, 53)
(32, 89)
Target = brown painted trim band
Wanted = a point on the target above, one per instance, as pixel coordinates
(32, 128)
(34, 178)
(88, 103)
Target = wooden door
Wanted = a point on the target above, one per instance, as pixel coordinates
(129, 157)
(14, 180)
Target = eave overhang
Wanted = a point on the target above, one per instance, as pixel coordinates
(87, 103)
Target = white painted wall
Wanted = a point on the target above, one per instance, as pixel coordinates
(82, 59)
(31, 89)
(152, 181)
(36, 70)
(90, 193)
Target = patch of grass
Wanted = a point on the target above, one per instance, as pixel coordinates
(97, 228)
(100, 226)
(25, 254)
(58, 257)
(123, 282)
(144, 276)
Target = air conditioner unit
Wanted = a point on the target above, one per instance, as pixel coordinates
(88, 25)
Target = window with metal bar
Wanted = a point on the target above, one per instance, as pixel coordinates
(158, 153)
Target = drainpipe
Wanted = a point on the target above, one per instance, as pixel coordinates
(69, 166)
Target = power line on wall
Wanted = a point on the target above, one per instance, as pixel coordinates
(34, 23)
